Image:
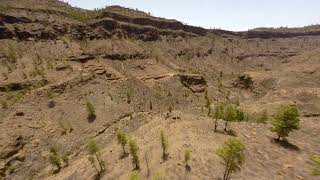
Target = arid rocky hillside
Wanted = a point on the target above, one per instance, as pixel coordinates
(143, 74)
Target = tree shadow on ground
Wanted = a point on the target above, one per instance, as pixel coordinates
(286, 144)
(188, 168)
(91, 118)
(228, 132)
(124, 155)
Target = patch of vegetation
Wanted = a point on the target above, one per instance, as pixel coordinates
(129, 94)
(11, 54)
(55, 159)
(158, 177)
(15, 96)
(134, 175)
(186, 157)
(94, 152)
(232, 154)
(285, 121)
(316, 161)
(4, 104)
(263, 117)
(123, 140)
(133, 147)
(37, 71)
(91, 110)
(66, 127)
(3, 8)
(164, 145)
(11, 169)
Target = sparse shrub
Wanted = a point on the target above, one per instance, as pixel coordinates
(15, 96)
(230, 115)
(240, 115)
(263, 117)
(38, 60)
(123, 140)
(285, 121)
(12, 54)
(164, 145)
(129, 95)
(37, 70)
(49, 95)
(158, 177)
(134, 153)
(232, 154)
(186, 157)
(4, 104)
(65, 159)
(91, 110)
(94, 152)
(11, 169)
(218, 114)
(55, 159)
(316, 161)
(65, 126)
(134, 175)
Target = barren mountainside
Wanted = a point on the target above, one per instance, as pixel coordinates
(68, 75)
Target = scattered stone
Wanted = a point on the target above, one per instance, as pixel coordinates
(21, 156)
(299, 177)
(82, 58)
(100, 71)
(51, 103)
(62, 67)
(19, 113)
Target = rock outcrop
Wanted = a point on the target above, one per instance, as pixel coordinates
(195, 83)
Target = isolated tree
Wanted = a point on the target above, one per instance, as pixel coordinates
(133, 147)
(232, 154)
(134, 175)
(230, 115)
(94, 152)
(55, 159)
(285, 121)
(164, 145)
(217, 114)
(122, 139)
(208, 103)
(186, 157)
(91, 110)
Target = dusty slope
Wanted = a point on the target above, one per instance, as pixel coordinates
(264, 159)
(126, 61)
